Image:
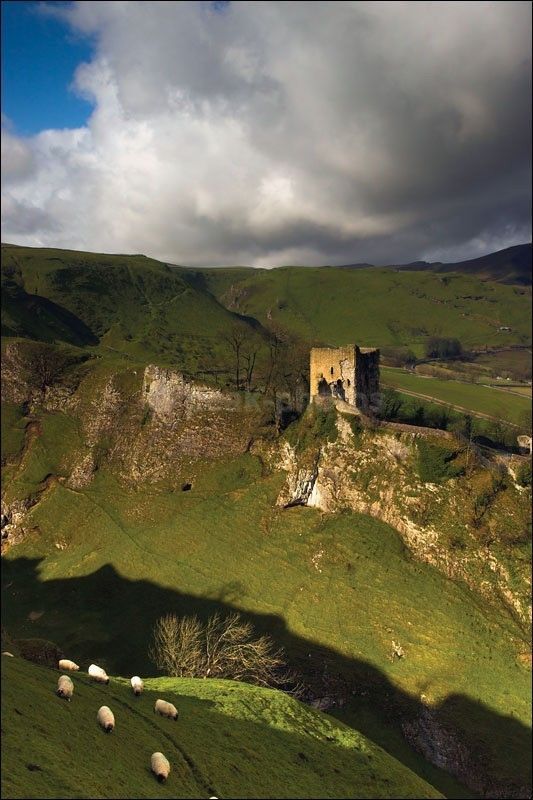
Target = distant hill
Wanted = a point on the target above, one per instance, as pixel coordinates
(512, 265)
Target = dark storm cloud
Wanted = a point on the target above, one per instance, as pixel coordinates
(273, 133)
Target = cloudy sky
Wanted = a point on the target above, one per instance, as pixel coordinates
(268, 133)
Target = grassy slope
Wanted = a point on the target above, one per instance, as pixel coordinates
(377, 307)
(232, 739)
(132, 304)
(468, 395)
(139, 297)
(132, 556)
(13, 424)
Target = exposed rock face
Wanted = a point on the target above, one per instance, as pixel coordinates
(13, 521)
(377, 476)
(176, 422)
(172, 398)
(146, 427)
(300, 480)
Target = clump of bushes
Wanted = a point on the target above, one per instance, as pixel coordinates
(440, 347)
(40, 651)
(523, 476)
(435, 462)
(315, 426)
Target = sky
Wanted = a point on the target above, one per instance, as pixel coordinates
(266, 133)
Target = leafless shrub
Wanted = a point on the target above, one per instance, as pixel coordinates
(223, 647)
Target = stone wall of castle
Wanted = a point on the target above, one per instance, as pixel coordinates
(332, 372)
(366, 377)
(348, 373)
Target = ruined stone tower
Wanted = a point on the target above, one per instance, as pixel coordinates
(348, 373)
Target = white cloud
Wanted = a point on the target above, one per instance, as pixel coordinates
(274, 132)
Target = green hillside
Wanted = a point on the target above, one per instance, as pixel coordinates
(132, 305)
(230, 739)
(136, 308)
(142, 306)
(123, 558)
(128, 494)
(376, 307)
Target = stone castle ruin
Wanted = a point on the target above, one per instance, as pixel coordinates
(349, 374)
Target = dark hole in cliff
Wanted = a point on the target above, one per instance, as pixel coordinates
(186, 487)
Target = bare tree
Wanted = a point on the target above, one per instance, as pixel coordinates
(236, 338)
(42, 364)
(177, 646)
(286, 371)
(225, 647)
(249, 358)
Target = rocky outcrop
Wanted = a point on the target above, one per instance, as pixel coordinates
(375, 473)
(148, 427)
(13, 521)
(176, 422)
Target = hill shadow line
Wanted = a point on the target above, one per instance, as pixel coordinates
(107, 619)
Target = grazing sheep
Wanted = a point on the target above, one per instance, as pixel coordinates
(137, 685)
(106, 719)
(160, 766)
(65, 663)
(166, 709)
(65, 687)
(6, 653)
(98, 674)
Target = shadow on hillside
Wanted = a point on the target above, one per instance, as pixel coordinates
(107, 619)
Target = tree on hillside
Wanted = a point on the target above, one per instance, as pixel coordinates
(286, 370)
(390, 404)
(439, 347)
(223, 647)
(244, 349)
(236, 339)
(40, 364)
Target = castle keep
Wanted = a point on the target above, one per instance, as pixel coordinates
(348, 373)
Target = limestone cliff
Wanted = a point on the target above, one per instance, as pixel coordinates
(471, 527)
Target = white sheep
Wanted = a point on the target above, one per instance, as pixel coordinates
(65, 687)
(160, 766)
(6, 653)
(137, 685)
(106, 719)
(98, 674)
(66, 663)
(166, 709)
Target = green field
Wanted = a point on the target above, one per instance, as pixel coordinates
(230, 738)
(473, 397)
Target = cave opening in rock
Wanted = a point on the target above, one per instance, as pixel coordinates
(186, 487)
